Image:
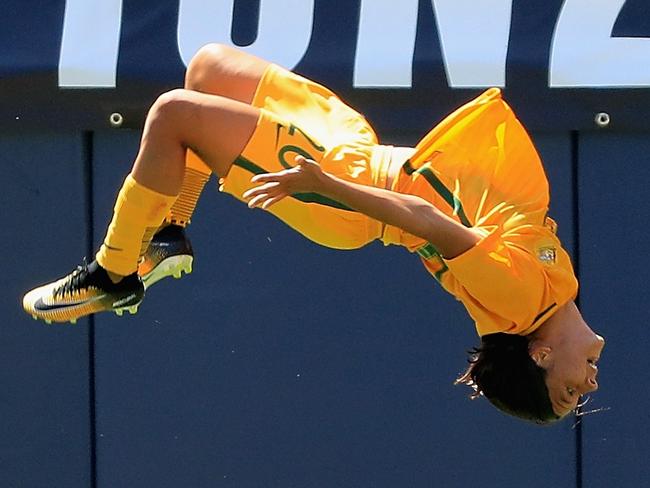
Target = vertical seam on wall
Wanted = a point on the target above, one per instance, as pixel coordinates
(575, 170)
(87, 144)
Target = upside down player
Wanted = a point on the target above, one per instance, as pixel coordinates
(470, 200)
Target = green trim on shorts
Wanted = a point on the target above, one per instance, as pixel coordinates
(248, 165)
(452, 200)
(251, 167)
(321, 200)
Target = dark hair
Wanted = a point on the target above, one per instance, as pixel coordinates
(502, 371)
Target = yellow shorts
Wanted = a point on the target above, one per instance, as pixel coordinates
(301, 117)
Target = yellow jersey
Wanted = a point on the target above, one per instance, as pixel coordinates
(480, 167)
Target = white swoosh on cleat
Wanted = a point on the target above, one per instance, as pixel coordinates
(40, 306)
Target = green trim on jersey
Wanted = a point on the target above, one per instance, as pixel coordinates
(543, 312)
(451, 199)
(428, 252)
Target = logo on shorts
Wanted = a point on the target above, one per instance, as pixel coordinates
(547, 254)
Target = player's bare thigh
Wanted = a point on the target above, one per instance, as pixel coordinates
(222, 70)
(216, 128)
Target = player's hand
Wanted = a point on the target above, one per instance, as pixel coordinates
(306, 176)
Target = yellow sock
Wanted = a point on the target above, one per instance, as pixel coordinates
(138, 212)
(196, 176)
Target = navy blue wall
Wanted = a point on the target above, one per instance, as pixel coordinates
(614, 211)
(45, 407)
(280, 363)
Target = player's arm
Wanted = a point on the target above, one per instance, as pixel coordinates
(410, 213)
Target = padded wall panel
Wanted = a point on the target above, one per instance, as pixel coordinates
(44, 404)
(614, 211)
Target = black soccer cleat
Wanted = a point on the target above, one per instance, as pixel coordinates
(87, 290)
(169, 254)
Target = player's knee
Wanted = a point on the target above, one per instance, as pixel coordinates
(168, 111)
(208, 65)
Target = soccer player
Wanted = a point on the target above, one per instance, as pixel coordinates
(470, 199)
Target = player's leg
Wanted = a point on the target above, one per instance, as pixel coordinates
(222, 70)
(218, 70)
(214, 127)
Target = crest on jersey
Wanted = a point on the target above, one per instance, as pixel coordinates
(547, 254)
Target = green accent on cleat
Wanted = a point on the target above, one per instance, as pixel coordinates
(132, 310)
(73, 321)
(48, 322)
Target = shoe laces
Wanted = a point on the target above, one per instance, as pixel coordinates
(73, 280)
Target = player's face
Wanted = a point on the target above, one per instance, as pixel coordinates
(574, 373)
(572, 361)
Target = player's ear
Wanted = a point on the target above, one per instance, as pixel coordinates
(541, 353)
